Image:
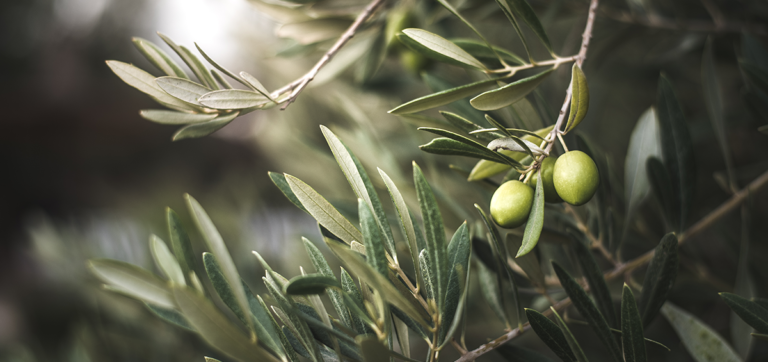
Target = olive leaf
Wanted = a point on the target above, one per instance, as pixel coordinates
(442, 46)
(659, 278)
(175, 118)
(508, 94)
(535, 221)
(643, 144)
(551, 335)
(158, 58)
(579, 98)
(631, 328)
(442, 97)
(575, 347)
(180, 243)
(233, 99)
(145, 82)
(516, 144)
(183, 89)
(203, 129)
(133, 281)
(703, 343)
(435, 232)
(165, 260)
(749, 311)
(597, 284)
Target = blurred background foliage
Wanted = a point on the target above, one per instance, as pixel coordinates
(87, 177)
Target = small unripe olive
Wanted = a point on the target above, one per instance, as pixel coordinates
(413, 62)
(547, 170)
(575, 177)
(511, 204)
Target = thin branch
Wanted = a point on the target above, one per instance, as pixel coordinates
(298, 85)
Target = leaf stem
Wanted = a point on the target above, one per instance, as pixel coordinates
(512, 70)
(298, 85)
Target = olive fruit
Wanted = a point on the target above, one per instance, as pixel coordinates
(413, 62)
(511, 204)
(575, 177)
(547, 169)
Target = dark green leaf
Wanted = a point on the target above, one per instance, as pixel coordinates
(311, 284)
(509, 93)
(516, 144)
(183, 89)
(703, 343)
(171, 316)
(221, 286)
(458, 264)
(435, 231)
(376, 256)
(485, 169)
(158, 58)
(443, 97)
(451, 147)
(749, 311)
(597, 284)
(535, 222)
(661, 184)
(469, 126)
(263, 323)
(676, 148)
(322, 267)
(659, 278)
(507, 10)
(587, 309)
(173, 117)
(356, 308)
(474, 144)
(165, 260)
(133, 281)
(279, 180)
(481, 51)
(522, 9)
(575, 347)
(323, 211)
(442, 46)
(406, 222)
(551, 335)
(216, 329)
(233, 99)
(631, 328)
(579, 97)
(203, 129)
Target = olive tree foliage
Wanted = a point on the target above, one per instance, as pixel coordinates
(405, 278)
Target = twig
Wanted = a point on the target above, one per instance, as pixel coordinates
(594, 242)
(298, 85)
(736, 200)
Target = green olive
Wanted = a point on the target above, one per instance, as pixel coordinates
(576, 177)
(547, 169)
(414, 62)
(511, 204)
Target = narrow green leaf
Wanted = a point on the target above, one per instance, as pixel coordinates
(458, 267)
(594, 275)
(469, 127)
(442, 46)
(263, 322)
(579, 97)
(158, 58)
(311, 284)
(145, 82)
(165, 260)
(222, 286)
(285, 308)
(587, 308)
(220, 79)
(183, 89)
(361, 184)
(323, 211)
(378, 282)
(443, 97)
(631, 328)
(551, 335)
(507, 10)
(406, 222)
(216, 329)
(643, 144)
(528, 262)
(485, 169)
(279, 180)
(322, 267)
(219, 249)
(175, 118)
(203, 129)
(535, 222)
(376, 256)
(233, 99)
(451, 147)
(133, 281)
(516, 144)
(222, 69)
(703, 343)
(429, 275)
(676, 148)
(508, 94)
(575, 347)
(522, 9)
(481, 51)
(373, 350)
(749, 311)
(354, 302)
(197, 67)
(171, 316)
(489, 287)
(254, 83)
(514, 353)
(435, 231)
(474, 144)
(659, 278)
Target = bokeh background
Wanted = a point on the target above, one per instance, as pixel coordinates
(84, 176)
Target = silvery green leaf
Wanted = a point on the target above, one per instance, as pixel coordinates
(222, 287)
(233, 99)
(265, 330)
(477, 147)
(133, 281)
(279, 180)
(165, 260)
(442, 46)
(158, 58)
(485, 169)
(428, 274)
(174, 117)
(535, 222)
(643, 144)
(197, 67)
(353, 300)
(219, 249)
(376, 256)
(222, 69)
(322, 267)
(171, 316)
(470, 127)
(703, 343)
(323, 211)
(183, 89)
(435, 232)
(203, 129)
(220, 79)
(579, 98)
(514, 144)
(442, 97)
(451, 147)
(508, 94)
(215, 329)
(632, 338)
(145, 82)
(575, 347)
(458, 265)
(255, 84)
(406, 222)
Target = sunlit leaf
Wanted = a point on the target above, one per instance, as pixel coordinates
(133, 281)
(158, 58)
(579, 97)
(659, 278)
(279, 180)
(643, 144)
(509, 93)
(176, 118)
(703, 343)
(442, 46)
(203, 129)
(233, 99)
(165, 260)
(183, 89)
(145, 82)
(443, 97)
(631, 328)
